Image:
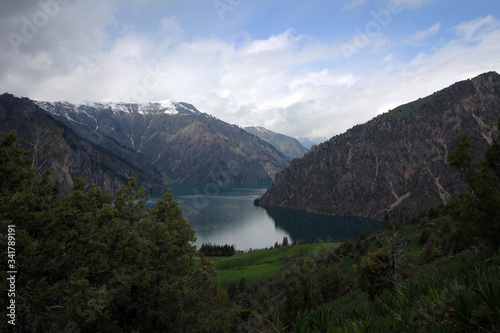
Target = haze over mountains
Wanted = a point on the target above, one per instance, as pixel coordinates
(397, 163)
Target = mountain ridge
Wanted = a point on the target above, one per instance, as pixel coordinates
(396, 163)
(82, 158)
(181, 143)
(290, 147)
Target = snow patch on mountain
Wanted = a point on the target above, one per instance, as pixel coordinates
(161, 107)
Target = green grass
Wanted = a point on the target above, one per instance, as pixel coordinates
(411, 234)
(258, 265)
(404, 110)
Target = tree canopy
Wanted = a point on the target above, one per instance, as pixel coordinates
(89, 263)
(478, 209)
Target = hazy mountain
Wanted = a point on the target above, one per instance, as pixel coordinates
(79, 157)
(176, 140)
(396, 163)
(288, 146)
(309, 142)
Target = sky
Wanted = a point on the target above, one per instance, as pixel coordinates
(302, 68)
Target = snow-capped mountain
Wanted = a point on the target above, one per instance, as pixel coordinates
(78, 156)
(181, 143)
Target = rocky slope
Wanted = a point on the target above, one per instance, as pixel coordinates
(288, 146)
(396, 163)
(174, 139)
(76, 156)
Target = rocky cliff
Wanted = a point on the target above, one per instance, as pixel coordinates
(397, 163)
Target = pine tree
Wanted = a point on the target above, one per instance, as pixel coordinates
(88, 264)
(478, 210)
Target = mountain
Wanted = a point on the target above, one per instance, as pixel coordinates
(173, 139)
(79, 157)
(288, 146)
(309, 142)
(397, 163)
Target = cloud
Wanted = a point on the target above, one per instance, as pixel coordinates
(50, 38)
(351, 4)
(422, 35)
(468, 30)
(289, 82)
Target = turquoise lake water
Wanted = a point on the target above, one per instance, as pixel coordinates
(227, 215)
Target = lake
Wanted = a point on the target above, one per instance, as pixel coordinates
(227, 215)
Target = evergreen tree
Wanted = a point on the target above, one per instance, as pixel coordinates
(242, 285)
(478, 210)
(88, 264)
(232, 291)
(374, 272)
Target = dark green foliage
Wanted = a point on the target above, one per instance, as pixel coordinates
(14, 167)
(88, 264)
(478, 210)
(302, 323)
(444, 295)
(430, 252)
(304, 285)
(329, 281)
(125, 202)
(488, 287)
(322, 318)
(446, 228)
(374, 272)
(463, 301)
(232, 291)
(208, 249)
(242, 285)
(424, 236)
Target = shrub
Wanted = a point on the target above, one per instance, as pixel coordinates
(425, 236)
(374, 272)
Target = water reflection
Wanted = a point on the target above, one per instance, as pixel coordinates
(227, 215)
(302, 226)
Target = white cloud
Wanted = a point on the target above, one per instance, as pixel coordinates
(468, 30)
(422, 35)
(289, 82)
(351, 4)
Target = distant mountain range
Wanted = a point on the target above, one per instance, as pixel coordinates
(308, 142)
(161, 143)
(290, 147)
(396, 163)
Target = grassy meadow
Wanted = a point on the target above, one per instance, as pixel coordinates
(258, 265)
